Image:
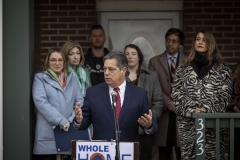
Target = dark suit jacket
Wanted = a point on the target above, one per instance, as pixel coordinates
(97, 110)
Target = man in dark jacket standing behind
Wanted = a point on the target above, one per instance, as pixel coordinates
(95, 54)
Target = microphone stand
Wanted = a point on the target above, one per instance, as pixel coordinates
(117, 132)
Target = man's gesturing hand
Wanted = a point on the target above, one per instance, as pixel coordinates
(146, 120)
(78, 113)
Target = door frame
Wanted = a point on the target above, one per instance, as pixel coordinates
(105, 17)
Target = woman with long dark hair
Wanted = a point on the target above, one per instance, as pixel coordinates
(141, 76)
(202, 84)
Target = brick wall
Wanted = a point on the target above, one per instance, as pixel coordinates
(222, 17)
(57, 21)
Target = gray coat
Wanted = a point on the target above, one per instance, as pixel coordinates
(159, 64)
(55, 106)
(148, 80)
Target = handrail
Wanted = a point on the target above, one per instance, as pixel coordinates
(216, 121)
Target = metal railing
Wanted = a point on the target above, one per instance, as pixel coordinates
(216, 121)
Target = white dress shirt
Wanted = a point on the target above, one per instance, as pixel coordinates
(121, 91)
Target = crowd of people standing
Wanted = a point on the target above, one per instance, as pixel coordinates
(154, 103)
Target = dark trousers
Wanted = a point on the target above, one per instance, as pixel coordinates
(237, 143)
(53, 157)
(48, 157)
(166, 152)
(146, 144)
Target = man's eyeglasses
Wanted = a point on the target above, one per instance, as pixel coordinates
(110, 69)
(170, 40)
(54, 61)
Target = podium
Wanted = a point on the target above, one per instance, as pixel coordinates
(83, 149)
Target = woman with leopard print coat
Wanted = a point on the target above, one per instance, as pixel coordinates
(202, 84)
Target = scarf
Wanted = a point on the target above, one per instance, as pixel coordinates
(84, 82)
(200, 65)
(83, 78)
(61, 79)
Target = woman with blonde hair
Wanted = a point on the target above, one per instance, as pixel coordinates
(202, 84)
(75, 61)
(55, 94)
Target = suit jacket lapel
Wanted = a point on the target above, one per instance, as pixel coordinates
(181, 58)
(164, 62)
(106, 100)
(127, 98)
(140, 80)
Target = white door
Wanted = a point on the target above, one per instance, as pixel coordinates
(145, 29)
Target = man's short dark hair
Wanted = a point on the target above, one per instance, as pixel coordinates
(97, 26)
(177, 32)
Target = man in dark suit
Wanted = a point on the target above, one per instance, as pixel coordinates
(97, 108)
(167, 136)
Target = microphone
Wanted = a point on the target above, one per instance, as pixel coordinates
(117, 131)
(114, 98)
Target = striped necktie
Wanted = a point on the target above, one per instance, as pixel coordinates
(118, 103)
(172, 74)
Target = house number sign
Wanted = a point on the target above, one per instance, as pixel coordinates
(200, 138)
